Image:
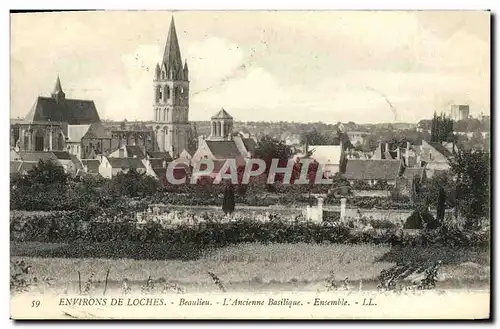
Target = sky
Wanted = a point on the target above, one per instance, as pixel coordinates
(302, 66)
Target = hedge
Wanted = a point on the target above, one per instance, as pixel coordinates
(75, 227)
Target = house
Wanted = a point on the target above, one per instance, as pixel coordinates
(69, 162)
(86, 141)
(435, 157)
(372, 172)
(111, 166)
(328, 156)
(405, 183)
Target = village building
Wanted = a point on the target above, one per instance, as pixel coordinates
(435, 157)
(110, 166)
(372, 172)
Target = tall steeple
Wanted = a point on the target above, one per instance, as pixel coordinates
(171, 98)
(172, 54)
(58, 93)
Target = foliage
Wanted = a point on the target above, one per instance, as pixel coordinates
(269, 148)
(472, 170)
(441, 129)
(133, 184)
(421, 218)
(71, 229)
(228, 201)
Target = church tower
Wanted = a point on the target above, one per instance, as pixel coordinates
(221, 126)
(171, 98)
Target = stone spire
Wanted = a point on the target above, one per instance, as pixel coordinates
(172, 54)
(186, 71)
(58, 93)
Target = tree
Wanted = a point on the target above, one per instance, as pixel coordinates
(269, 148)
(440, 205)
(315, 138)
(441, 128)
(228, 203)
(47, 173)
(472, 170)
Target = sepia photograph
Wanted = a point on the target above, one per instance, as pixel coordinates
(250, 164)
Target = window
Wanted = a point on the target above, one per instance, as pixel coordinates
(160, 95)
(39, 143)
(16, 135)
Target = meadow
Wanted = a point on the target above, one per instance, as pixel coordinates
(253, 266)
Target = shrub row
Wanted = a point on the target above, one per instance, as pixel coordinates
(67, 228)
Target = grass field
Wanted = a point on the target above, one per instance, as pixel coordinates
(249, 266)
(246, 266)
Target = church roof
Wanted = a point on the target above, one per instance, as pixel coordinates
(223, 149)
(172, 53)
(222, 114)
(72, 111)
(91, 131)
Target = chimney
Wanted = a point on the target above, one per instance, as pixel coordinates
(398, 153)
(387, 147)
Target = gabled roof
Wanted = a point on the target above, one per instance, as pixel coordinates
(72, 111)
(62, 155)
(159, 155)
(76, 132)
(134, 151)
(223, 149)
(222, 114)
(90, 131)
(250, 144)
(36, 156)
(372, 169)
(125, 163)
(326, 154)
(157, 162)
(441, 149)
